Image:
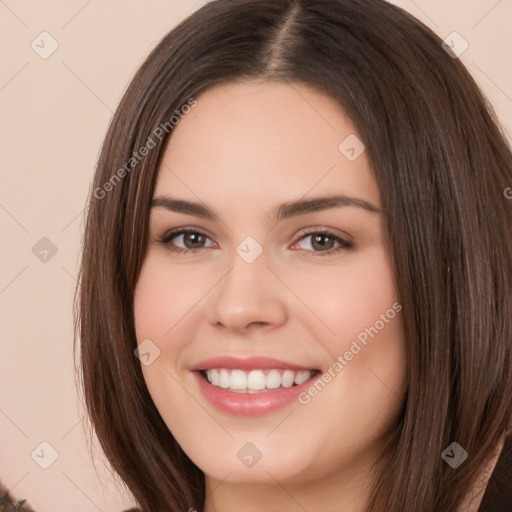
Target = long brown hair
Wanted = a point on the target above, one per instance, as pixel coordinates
(442, 166)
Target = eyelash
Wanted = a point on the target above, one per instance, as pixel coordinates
(167, 237)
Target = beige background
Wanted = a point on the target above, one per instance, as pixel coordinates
(54, 116)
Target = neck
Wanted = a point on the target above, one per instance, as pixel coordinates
(333, 489)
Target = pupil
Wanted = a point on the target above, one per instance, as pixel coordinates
(318, 240)
(194, 238)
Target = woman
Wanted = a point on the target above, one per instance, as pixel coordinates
(296, 268)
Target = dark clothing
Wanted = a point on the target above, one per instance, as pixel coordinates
(498, 494)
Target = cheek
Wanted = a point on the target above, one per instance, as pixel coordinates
(361, 307)
(350, 297)
(163, 299)
(163, 296)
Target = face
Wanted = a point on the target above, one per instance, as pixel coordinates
(267, 312)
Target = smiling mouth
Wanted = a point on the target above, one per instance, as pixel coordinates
(256, 381)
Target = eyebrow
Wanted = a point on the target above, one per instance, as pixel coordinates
(283, 211)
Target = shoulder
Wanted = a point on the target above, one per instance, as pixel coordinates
(9, 504)
(498, 494)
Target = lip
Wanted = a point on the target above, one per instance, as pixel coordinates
(249, 404)
(246, 363)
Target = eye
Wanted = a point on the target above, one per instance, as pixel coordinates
(190, 240)
(323, 242)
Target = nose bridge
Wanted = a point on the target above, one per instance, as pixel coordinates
(247, 294)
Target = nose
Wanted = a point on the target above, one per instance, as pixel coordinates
(248, 297)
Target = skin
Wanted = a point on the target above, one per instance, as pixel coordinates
(243, 150)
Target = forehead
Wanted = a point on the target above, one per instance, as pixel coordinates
(263, 140)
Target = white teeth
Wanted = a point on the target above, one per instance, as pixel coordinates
(288, 378)
(213, 377)
(238, 380)
(224, 379)
(273, 379)
(256, 380)
(302, 377)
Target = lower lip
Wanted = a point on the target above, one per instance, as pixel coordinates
(250, 404)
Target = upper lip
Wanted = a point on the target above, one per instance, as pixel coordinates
(247, 363)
